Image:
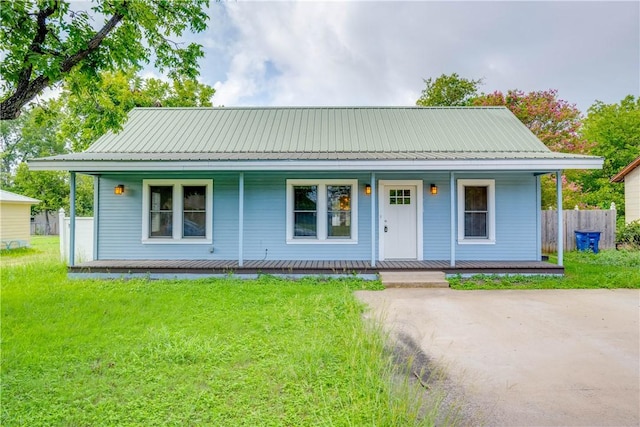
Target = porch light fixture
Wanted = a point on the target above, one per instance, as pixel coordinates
(118, 190)
(434, 189)
(367, 189)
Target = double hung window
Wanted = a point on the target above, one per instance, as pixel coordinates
(177, 211)
(476, 211)
(322, 211)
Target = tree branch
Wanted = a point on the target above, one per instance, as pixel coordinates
(27, 89)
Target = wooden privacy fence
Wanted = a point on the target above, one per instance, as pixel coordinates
(603, 221)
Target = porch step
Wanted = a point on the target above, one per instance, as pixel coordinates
(413, 279)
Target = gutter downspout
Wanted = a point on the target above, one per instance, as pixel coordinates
(72, 220)
(560, 223)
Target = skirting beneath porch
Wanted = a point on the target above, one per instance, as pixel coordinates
(201, 268)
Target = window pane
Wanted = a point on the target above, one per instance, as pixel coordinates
(339, 224)
(161, 198)
(305, 198)
(304, 224)
(475, 198)
(194, 198)
(475, 224)
(304, 211)
(194, 211)
(339, 197)
(194, 224)
(161, 212)
(161, 224)
(339, 211)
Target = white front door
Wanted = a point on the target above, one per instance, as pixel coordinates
(399, 221)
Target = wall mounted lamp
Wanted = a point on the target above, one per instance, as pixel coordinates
(434, 189)
(118, 190)
(367, 189)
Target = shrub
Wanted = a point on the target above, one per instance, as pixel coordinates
(630, 234)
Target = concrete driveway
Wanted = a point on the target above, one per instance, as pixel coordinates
(528, 357)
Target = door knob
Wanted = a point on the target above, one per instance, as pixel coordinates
(386, 228)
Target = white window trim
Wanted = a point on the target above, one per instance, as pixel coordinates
(177, 210)
(491, 214)
(321, 209)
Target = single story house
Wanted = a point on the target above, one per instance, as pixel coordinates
(630, 174)
(316, 187)
(15, 219)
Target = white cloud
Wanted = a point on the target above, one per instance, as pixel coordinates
(377, 53)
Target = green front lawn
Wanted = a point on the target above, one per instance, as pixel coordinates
(606, 269)
(206, 352)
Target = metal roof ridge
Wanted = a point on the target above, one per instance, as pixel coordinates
(329, 107)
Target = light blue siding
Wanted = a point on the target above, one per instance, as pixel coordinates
(516, 220)
(265, 221)
(120, 219)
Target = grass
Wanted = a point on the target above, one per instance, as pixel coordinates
(207, 352)
(583, 270)
(42, 248)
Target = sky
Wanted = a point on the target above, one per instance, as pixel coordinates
(357, 53)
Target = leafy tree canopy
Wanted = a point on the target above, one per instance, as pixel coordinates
(614, 130)
(45, 40)
(89, 114)
(555, 121)
(448, 90)
(36, 133)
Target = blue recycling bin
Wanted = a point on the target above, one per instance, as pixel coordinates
(587, 240)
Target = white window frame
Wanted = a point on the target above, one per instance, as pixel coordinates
(491, 214)
(177, 199)
(322, 209)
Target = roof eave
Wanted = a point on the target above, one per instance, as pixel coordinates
(619, 177)
(322, 165)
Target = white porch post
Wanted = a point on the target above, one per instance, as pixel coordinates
(373, 219)
(452, 188)
(72, 220)
(96, 215)
(538, 218)
(240, 219)
(560, 221)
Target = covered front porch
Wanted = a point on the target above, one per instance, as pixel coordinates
(216, 268)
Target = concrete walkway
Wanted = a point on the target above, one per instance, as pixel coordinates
(528, 357)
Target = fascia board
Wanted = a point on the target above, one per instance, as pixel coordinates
(321, 165)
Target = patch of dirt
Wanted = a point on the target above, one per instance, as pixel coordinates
(439, 391)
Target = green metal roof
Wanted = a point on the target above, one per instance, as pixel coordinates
(319, 130)
(314, 133)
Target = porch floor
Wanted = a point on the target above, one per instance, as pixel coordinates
(208, 267)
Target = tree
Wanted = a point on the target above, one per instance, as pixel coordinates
(44, 41)
(448, 90)
(614, 130)
(33, 134)
(554, 121)
(89, 114)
